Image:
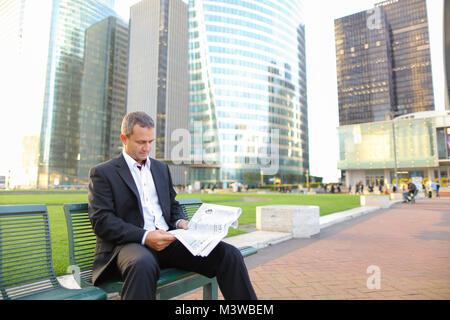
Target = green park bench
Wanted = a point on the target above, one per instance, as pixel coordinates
(172, 281)
(26, 270)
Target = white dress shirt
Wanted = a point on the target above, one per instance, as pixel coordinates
(143, 179)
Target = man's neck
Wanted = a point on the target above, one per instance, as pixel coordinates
(141, 162)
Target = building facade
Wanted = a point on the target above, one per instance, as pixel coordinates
(158, 75)
(59, 151)
(415, 146)
(388, 130)
(247, 91)
(383, 62)
(103, 93)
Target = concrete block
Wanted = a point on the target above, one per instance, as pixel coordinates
(399, 196)
(396, 196)
(301, 221)
(375, 201)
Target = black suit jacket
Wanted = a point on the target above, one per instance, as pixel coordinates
(115, 209)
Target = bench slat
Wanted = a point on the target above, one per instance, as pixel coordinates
(26, 270)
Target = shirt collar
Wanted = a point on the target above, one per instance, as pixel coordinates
(133, 163)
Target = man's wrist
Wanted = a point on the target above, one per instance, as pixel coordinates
(144, 237)
(178, 222)
(182, 224)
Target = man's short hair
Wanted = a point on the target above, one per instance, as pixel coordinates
(133, 118)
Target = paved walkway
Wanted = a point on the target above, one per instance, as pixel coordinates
(408, 244)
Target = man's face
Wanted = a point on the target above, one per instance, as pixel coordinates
(139, 144)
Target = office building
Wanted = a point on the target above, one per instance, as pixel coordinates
(247, 92)
(383, 62)
(103, 93)
(59, 140)
(412, 147)
(158, 73)
(389, 130)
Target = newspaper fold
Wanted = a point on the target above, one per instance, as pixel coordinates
(208, 226)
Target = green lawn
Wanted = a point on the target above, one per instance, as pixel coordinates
(328, 203)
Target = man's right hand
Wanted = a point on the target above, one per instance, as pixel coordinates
(159, 239)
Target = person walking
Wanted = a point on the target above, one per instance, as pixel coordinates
(435, 186)
(428, 189)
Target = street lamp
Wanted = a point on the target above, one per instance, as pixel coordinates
(307, 179)
(391, 115)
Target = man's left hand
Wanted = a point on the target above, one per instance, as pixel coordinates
(183, 224)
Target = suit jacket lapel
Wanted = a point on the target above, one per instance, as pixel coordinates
(156, 180)
(125, 174)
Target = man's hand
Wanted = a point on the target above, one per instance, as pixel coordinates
(159, 239)
(183, 224)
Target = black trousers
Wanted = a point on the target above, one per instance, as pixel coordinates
(140, 267)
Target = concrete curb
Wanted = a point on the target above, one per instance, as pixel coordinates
(331, 219)
(258, 239)
(262, 239)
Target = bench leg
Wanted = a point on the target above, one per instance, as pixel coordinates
(210, 290)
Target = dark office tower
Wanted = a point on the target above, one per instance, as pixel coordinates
(411, 62)
(158, 68)
(103, 93)
(383, 62)
(158, 74)
(447, 51)
(59, 143)
(364, 69)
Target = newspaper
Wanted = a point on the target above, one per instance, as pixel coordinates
(208, 226)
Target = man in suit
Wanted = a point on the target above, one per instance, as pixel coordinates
(132, 206)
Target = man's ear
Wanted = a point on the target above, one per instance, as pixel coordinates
(123, 138)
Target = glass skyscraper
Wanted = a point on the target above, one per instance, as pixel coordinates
(247, 91)
(59, 140)
(383, 62)
(103, 93)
